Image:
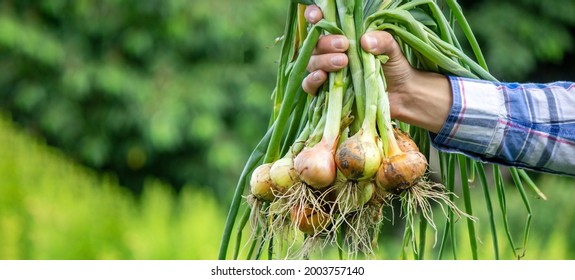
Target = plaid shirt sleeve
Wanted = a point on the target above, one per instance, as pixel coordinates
(524, 125)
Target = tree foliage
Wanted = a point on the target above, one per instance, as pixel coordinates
(173, 89)
(523, 39)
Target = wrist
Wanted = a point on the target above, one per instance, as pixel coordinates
(424, 100)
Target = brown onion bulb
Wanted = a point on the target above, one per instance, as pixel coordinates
(316, 165)
(405, 142)
(261, 185)
(359, 156)
(401, 171)
(309, 220)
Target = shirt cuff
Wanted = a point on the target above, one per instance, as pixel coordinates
(473, 125)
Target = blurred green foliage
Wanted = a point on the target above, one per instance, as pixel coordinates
(179, 90)
(53, 208)
(174, 89)
(525, 40)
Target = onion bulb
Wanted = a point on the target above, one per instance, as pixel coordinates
(316, 165)
(261, 185)
(401, 171)
(359, 156)
(283, 174)
(352, 195)
(310, 220)
(404, 142)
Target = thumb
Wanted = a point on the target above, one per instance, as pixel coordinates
(313, 14)
(381, 42)
(397, 69)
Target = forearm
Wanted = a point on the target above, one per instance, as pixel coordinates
(524, 125)
(424, 102)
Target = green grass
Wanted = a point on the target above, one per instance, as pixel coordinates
(53, 208)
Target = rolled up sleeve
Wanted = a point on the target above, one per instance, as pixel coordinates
(523, 125)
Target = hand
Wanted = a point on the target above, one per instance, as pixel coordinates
(409, 89)
(328, 56)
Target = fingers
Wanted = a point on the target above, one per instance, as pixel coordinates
(331, 44)
(313, 81)
(313, 14)
(327, 62)
(329, 56)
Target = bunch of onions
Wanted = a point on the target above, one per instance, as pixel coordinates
(330, 164)
(329, 176)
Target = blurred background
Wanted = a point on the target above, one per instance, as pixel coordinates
(124, 124)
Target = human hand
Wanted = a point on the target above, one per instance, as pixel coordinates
(408, 89)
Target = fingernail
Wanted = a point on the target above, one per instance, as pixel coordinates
(337, 43)
(337, 60)
(371, 43)
(316, 76)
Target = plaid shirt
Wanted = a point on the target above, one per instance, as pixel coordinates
(523, 125)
